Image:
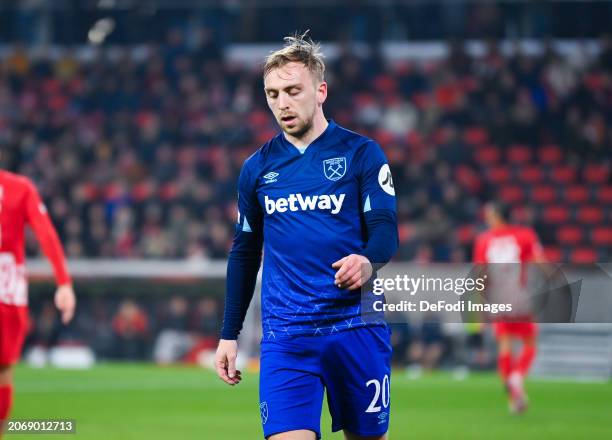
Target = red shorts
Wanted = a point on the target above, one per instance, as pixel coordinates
(516, 329)
(14, 326)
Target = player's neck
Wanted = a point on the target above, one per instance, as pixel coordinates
(499, 225)
(319, 124)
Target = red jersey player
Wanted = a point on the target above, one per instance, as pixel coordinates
(506, 243)
(20, 204)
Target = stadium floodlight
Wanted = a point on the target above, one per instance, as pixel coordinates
(100, 30)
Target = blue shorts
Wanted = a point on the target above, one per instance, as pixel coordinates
(352, 365)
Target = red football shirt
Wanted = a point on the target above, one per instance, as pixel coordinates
(505, 250)
(507, 244)
(20, 204)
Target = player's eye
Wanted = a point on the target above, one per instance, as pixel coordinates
(272, 95)
(294, 91)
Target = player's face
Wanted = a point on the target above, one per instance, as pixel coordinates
(294, 96)
(490, 216)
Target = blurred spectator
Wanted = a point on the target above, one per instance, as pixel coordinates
(45, 329)
(427, 348)
(206, 322)
(476, 353)
(205, 325)
(401, 340)
(173, 341)
(131, 327)
(99, 325)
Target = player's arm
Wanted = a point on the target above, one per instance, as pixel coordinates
(536, 250)
(479, 257)
(479, 251)
(45, 232)
(380, 218)
(242, 268)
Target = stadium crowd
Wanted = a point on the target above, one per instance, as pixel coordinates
(138, 158)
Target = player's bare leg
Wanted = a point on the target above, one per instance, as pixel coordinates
(6, 384)
(504, 356)
(527, 355)
(517, 377)
(300, 434)
(350, 436)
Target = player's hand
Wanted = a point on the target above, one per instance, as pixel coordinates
(353, 271)
(65, 301)
(225, 362)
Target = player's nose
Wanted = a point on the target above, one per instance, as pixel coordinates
(283, 101)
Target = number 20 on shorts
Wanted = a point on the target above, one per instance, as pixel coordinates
(382, 392)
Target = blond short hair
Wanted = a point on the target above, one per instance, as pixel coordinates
(299, 49)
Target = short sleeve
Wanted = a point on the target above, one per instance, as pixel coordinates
(534, 247)
(376, 183)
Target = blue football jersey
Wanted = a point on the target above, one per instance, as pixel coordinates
(309, 207)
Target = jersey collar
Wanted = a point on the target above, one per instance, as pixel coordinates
(320, 140)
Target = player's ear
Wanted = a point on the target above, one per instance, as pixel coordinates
(321, 93)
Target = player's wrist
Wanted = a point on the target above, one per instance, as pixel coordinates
(366, 258)
(228, 338)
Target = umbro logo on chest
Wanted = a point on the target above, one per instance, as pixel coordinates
(271, 177)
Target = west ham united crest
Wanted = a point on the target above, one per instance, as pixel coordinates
(263, 408)
(334, 168)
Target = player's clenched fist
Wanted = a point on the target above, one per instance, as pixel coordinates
(225, 362)
(353, 271)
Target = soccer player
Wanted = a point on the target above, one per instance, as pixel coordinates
(320, 201)
(20, 204)
(509, 247)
